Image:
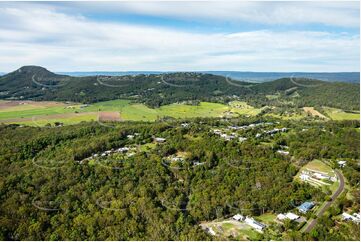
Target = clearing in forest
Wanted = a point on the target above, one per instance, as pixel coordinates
(314, 112)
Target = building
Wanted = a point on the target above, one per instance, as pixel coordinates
(241, 139)
(304, 177)
(238, 217)
(129, 136)
(292, 216)
(305, 207)
(282, 152)
(160, 140)
(211, 231)
(281, 216)
(255, 224)
(354, 218)
(341, 163)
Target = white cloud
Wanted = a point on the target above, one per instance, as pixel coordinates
(63, 42)
(344, 14)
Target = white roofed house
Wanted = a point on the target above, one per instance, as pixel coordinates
(281, 216)
(160, 140)
(354, 218)
(341, 163)
(292, 216)
(238, 217)
(283, 152)
(255, 224)
(304, 177)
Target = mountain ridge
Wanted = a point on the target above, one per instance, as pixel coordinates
(37, 83)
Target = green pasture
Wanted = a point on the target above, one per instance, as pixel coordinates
(338, 114)
(128, 111)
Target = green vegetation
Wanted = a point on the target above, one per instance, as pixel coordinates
(44, 113)
(338, 114)
(36, 83)
(50, 191)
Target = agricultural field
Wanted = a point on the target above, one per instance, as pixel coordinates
(69, 113)
(339, 114)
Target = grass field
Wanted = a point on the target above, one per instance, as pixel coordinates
(319, 166)
(338, 114)
(267, 218)
(49, 112)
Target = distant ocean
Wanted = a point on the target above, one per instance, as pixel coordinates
(353, 77)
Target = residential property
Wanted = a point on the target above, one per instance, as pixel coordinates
(238, 217)
(283, 152)
(160, 140)
(304, 177)
(341, 163)
(255, 224)
(211, 231)
(305, 207)
(281, 216)
(130, 136)
(354, 218)
(290, 216)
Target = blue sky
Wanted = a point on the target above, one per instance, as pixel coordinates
(181, 36)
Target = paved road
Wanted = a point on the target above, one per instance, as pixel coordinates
(328, 204)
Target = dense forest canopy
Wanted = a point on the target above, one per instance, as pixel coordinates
(52, 190)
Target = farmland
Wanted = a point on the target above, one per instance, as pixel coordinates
(44, 112)
(70, 113)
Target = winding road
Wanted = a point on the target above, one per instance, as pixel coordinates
(339, 190)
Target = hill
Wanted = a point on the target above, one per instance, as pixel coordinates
(37, 83)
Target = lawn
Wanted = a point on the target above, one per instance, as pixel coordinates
(266, 218)
(319, 166)
(339, 114)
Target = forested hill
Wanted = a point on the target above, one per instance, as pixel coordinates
(37, 83)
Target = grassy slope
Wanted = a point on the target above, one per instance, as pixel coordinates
(338, 114)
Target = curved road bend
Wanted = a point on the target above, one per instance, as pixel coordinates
(328, 204)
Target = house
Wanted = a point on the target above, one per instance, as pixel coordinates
(281, 216)
(160, 140)
(354, 218)
(283, 152)
(241, 139)
(211, 231)
(305, 207)
(238, 217)
(129, 136)
(320, 176)
(217, 131)
(341, 163)
(184, 125)
(254, 224)
(292, 216)
(175, 159)
(123, 149)
(304, 177)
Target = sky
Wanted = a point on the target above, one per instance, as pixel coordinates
(269, 36)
